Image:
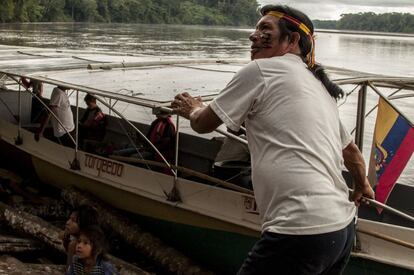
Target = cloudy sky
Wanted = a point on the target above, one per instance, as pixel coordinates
(332, 9)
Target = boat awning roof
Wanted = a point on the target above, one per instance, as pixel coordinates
(140, 80)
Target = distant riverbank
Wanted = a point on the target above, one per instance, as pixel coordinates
(395, 34)
(393, 22)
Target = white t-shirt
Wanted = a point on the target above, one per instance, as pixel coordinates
(295, 140)
(60, 100)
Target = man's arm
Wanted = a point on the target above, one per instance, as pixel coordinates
(202, 118)
(355, 164)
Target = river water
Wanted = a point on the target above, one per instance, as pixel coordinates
(379, 54)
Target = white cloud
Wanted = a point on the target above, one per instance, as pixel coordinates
(332, 9)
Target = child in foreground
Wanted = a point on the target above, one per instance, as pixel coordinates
(84, 216)
(90, 257)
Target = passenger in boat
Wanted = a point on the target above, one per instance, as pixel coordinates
(232, 162)
(82, 217)
(162, 134)
(92, 125)
(38, 110)
(298, 147)
(60, 105)
(91, 257)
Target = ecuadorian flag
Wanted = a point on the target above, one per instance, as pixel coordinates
(393, 146)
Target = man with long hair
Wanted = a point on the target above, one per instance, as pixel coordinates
(298, 147)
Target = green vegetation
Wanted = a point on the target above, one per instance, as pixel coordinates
(369, 21)
(325, 24)
(207, 12)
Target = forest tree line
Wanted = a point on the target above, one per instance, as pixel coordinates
(369, 21)
(205, 12)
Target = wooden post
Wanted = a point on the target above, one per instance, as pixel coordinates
(32, 225)
(12, 266)
(9, 244)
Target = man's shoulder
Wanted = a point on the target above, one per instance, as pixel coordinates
(249, 70)
(57, 90)
(285, 60)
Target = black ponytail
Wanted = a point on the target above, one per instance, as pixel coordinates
(286, 29)
(333, 89)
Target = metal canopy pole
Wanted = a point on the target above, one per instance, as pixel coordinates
(77, 124)
(359, 140)
(75, 165)
(174, 194)
(19, 140)
(177, 139)
(360, 120)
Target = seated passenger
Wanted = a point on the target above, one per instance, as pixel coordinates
(38, 109)
(80, 218)
(162, 134)
(233, 151)
(232, 162)
(90, 255)
(63, 126)
(92, 125)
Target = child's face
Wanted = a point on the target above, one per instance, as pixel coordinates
(84, 247)
(72, 226)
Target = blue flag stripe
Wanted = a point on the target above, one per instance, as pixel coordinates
(393, 140)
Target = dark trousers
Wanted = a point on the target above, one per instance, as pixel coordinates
(323, 254)
(65, 140)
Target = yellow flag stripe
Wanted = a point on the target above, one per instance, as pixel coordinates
(385, 120)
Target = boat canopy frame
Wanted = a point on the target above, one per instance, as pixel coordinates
(365, 84)
(100, 96)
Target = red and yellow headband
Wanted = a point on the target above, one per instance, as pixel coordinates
(311, 55)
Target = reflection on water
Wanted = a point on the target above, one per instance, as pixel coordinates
(157, 40)
(376, 54)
